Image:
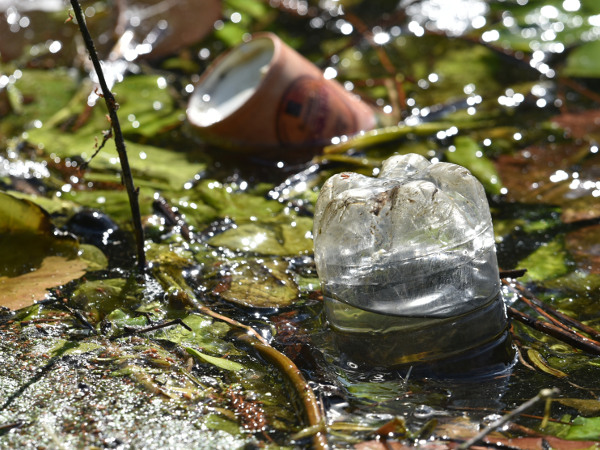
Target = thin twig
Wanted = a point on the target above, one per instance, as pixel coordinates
(174, 218)
(253, 338)
(106, 135)
(112, 106)
(542, 395)
(77, 315)
(540, 305)
(585, 344)
(311, 404)
(132, 330)
(514, 273)
(545, 314)
(577, 87)
(11, 425)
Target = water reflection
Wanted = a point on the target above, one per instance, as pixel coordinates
(455, 17)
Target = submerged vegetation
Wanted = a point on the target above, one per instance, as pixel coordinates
(200, 350)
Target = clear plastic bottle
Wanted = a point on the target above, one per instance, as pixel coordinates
(407, 262)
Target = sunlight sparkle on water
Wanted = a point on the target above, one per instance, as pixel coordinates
(254, 241)
(571, 5)
(452, 16)
(330, 73)
(381, 38)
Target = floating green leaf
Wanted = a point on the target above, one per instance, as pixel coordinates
(469, 155)
(102, 297)
(27, 238)
(46, 91)
(93, 257)
(222, 363)
(206, 334)
(584, 428)
(261, 284)
(211, 199)
(583, 61)
(146, 106)
(547, 262)
(121, 318)
(21, 215)
(279, 239)
(64, 347)
(387, 134)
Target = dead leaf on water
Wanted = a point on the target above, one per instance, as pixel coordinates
(580, 125)
(23, 290)
(584, 246)
(562, 175)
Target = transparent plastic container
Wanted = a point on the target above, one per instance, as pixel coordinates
(407, 260)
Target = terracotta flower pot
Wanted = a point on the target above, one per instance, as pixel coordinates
(263, 97)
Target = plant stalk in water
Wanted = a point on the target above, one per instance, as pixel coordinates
(251, 337)
(112, 106)
(542, 395)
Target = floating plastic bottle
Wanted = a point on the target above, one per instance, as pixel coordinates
(407, 262)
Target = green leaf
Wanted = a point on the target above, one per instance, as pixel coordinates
(264, 284)
(150, 165)
(254, 8)
(547, 262)
(585, 406)
(469, 155)
(47, 91)
(102, 295)
(206, 334)
(279, 239)
(584, 428)
(21, 215)
(64, 347)
(222, 363)
(27, 238)
(146, 107)
(583, 61)
(216, 422)
(211, 199)
(231, 33)
(384, 135)
(52, 205)
(93, 257)
(121, 318)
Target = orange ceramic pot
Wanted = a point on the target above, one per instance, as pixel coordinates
(263, 96)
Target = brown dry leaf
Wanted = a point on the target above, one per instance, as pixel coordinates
(393, 445)
(462, 429)
(183, 26)
(541, 443)
(23, 290)
(544, 175)
(580, 125)
(584, 246)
